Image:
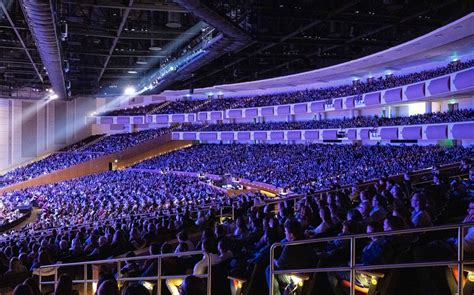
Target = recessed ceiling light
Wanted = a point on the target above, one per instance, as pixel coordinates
(154, 48)
(141, 62)
(132, 72)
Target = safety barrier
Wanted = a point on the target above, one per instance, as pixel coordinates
(53, 271)
(353, 267)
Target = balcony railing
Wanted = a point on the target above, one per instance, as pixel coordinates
(353, 268)
(48, 275)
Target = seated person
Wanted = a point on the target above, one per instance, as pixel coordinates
(291, 257)
(419, 216)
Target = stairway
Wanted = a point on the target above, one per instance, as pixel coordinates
(158, 108)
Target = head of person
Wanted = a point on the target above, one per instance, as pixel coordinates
(418, 201)
(33, 285)
(470, 210)
(23, 289)
(293, 230)
(192, 286)
(207, 246)
(15, 265)
(354, 214)
(108, 287)
(64, 286)
(135, 289)
(391, 223)
(325, 214)
(373, 227)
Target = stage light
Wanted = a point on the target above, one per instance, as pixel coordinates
(132, 72)
(129, 90)
(53, 96)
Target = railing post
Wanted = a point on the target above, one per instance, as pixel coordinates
(272, 268)
(55, 278)
(158, 283)
(352, 265)
(209, 274)
(85, 278)
(233, 212)
(40, 280)
(220, 219)
(460, 259)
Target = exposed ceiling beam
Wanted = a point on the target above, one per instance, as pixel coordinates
(17, 33)
(114, 5)
(283, 39)
(125, 14)
(137, 35)
(118, 55)
(352, 40)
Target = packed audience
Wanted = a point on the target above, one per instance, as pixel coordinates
(361, 121)
(81, 152)
(119, 142)
(44, 166)
(80, 144)
(240, 248)
(305, 168)
(356, 90)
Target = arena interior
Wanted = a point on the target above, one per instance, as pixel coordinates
(226, 147)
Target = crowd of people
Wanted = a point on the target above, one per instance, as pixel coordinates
(45, 166)
(320, 94)
(360, 121)
(305, 168)
(80, 152)
(239, 248)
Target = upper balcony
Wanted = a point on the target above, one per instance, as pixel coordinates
(417, 60)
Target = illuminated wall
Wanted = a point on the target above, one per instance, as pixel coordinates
(32, 128)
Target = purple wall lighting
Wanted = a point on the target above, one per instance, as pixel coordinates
(293, 135)
(227, 136)
(277, 135)
(260, 135)
(393, 95)
(415, 91)
(202, 116)
(243, 136)
(149, 119)
(352, 134)
(338, 104)
(177, 118)
(317, 106)
(350, 102)
(301, 108)
(235, 114)
(106, 120)
(437, 132)
(267, 111)
(329, 134)
(463, 131)
(438, 86)
(123, 120)
(138, 120)
(208, 136)
(191, 117)
(364, 134)
(372, 99)
(175, 136)
(464, 80)
(412, 132)
(249, 113)
(283, 110)
(162, 119)
(311, 135)
(389, 133)
(189, 136)
(216, 115)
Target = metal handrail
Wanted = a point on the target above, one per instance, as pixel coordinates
(158, 278)
(353, 267)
